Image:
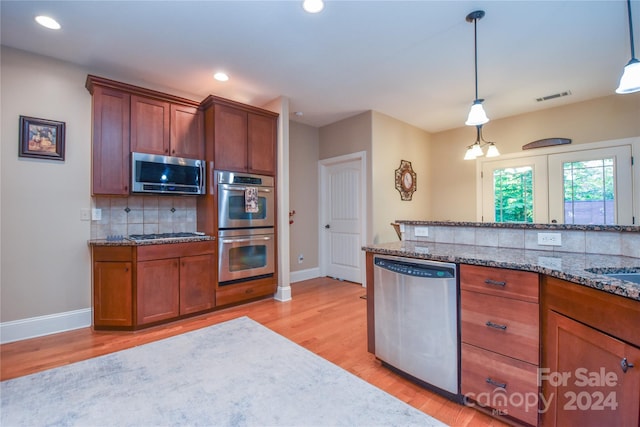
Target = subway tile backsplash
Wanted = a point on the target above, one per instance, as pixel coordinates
(144, 215)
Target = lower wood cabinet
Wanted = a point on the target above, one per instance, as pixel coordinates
(238, 292)
(591, 357)
(500, 334)
(136, 286)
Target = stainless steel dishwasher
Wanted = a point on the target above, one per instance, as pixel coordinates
(416, 320)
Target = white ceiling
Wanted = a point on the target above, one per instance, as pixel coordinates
(412, 60)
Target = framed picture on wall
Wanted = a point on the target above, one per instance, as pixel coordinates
(41, 138)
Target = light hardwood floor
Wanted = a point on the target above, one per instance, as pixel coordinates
(326, 316)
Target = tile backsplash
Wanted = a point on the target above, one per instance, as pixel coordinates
(144, 215)
(626, 243)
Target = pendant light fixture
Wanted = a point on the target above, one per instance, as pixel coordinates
(477, 116)
(476, 149)
(630, 80)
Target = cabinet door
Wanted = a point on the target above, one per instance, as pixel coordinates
(157, 290)
(230, 138)
(586, 383)
(110, 163)
(112, 294)
(197, 286)
(187, 132)
(149, 125)
(262, 144)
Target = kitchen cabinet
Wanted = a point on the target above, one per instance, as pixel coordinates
(590, 343)
(150, 125)
(137, 286)
(243, 137)
(129, 118)
(110, 154)
(159, 127)
(187, 132)
(500, 338)
(157, 290)
(112, 287)
(240, 292)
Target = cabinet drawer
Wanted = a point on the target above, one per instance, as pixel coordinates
(506, 326)
(499, 281)
(230, 294)
(507, 385)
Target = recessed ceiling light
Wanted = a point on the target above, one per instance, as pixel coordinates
(313, 6)
(48, 22)
(221, 77)
(299, 113)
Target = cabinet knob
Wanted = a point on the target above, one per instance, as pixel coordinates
(625, 365)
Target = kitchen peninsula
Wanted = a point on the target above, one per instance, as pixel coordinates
(516, 295)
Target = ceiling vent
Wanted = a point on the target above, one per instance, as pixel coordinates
(554, 96)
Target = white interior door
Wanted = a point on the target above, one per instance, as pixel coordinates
(342, 220)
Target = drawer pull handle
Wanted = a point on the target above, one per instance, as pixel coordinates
(495, 282)
(497, 384)
(625, 365)
(495, 325)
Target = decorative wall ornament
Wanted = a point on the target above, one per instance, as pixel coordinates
(547, 142)
(41, 138)
(405, 180)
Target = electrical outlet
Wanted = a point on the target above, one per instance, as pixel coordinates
(550, 239)
(421, 231)
(300, 258)
(85, 214)
(96, 214)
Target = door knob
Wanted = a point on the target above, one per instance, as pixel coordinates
(327, 226)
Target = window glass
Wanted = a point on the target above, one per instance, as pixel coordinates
(513, 194)
(589, 192)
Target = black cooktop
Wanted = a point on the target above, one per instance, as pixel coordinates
(159, 236)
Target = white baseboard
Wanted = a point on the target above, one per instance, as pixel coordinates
(299, 276)
(17, 330)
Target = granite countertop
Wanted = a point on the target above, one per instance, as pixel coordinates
(563, 265)
(526, 225)
(127, 242)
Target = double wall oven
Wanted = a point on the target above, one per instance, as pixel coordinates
(246, 219)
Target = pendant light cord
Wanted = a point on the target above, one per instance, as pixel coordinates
(633, 50)
(475, 46)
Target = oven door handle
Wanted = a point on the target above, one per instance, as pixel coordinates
(250, 239)
(238, 188)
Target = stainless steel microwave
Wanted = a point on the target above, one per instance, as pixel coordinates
(153, 173)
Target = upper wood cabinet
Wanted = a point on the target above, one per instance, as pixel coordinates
(150, 125)
(110, 154)
(187, 132)
(129, 118)
(243, 137)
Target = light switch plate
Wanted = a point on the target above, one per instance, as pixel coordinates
(85, 214)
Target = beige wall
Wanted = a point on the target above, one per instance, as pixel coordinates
(45, 257)
(45, 265)
(304, 142)
(393, 141)
(453, 186)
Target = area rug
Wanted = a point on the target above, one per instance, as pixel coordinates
(236, 373)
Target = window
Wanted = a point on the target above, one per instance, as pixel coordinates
(583, 186)
(591, 186)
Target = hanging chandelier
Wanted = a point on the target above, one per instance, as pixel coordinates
(630, 80)
(476, 149)
(477, 116)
